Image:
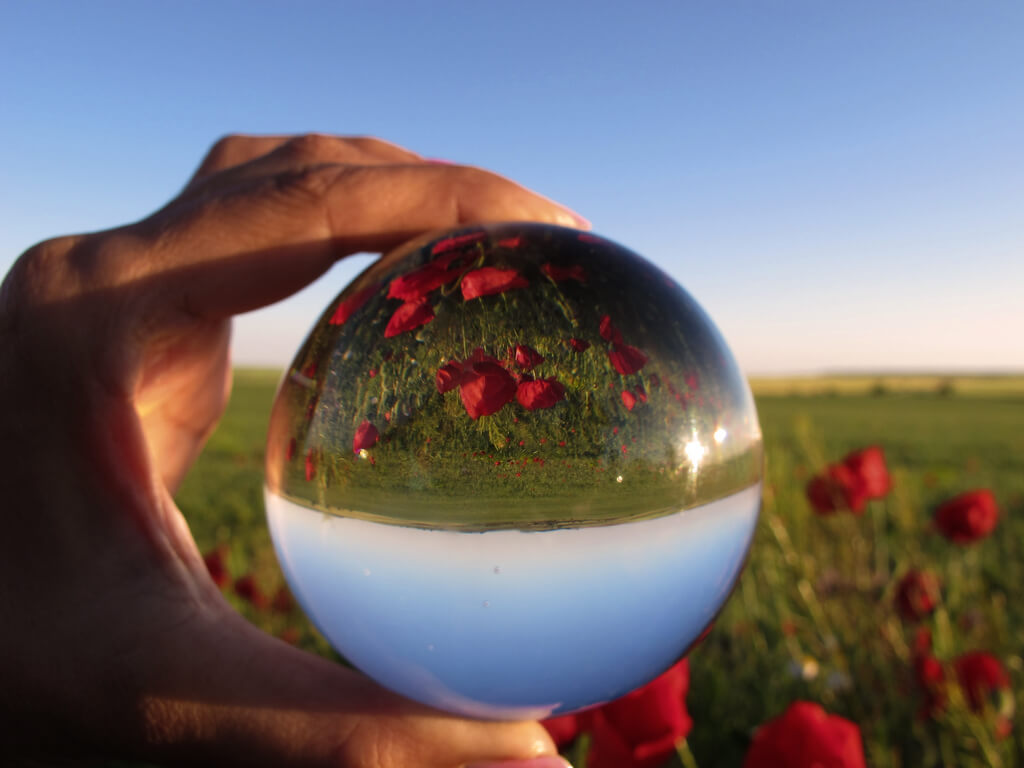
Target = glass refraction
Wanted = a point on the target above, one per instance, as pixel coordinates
(513, 471)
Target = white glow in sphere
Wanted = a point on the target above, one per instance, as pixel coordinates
(513, 472)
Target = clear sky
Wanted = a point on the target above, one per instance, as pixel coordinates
(840, 183)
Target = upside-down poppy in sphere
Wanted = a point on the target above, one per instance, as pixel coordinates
(416, 285)
(627, 359)
(806, 736)
(579, 345)
(488, 281)
(608, 330)
(541, 393)
(457, 241)
(351, 305)
(869, 465)
(485, 388)
(628, 399)
(366, 437)
(527, 358)
(448, 377)
(917, 595)
(412, 314)
(641, 729)
(836, 488)
(561, 274)
(985, 683)
(968, 517)
(310, 465)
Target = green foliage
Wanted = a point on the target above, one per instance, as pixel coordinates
(812, 616)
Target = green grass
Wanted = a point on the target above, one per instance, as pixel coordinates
(817, 592)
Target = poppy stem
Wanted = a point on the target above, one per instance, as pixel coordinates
(685, 755)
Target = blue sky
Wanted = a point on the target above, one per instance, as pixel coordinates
(840, 184)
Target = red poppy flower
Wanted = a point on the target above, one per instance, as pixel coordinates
(968, 517)
(216, 567)
(931, 679)
(417, 284)
(561, 274)
(641, 729)
(981, 676)
(366, 437)
(542, 393)
(869, 465)
(488, 281)
(459, 241)
(641, 393)
(412, 314)
(310, 371)
(310, 465)
(564, 730)
(448, 376)
(608, 330)
(628, 399)
(351, 305)
(510, 242)
(627, 359)
(485, 388)
(806, 736)
(283, 601)
(291, 635)
(247, 589)
(580, 345)
(293, 447)
(527, 358)
(835, 489)
(917, 594)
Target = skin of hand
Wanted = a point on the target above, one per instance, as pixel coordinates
(114, 368)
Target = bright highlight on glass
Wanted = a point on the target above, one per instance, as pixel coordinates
(513, 471)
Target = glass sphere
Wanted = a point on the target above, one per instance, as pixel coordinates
(514, 471)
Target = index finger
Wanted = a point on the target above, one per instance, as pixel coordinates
(265, 241)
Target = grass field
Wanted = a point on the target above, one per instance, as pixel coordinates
(813, 616)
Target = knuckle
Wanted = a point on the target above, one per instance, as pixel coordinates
(223, 149)
(311, 146)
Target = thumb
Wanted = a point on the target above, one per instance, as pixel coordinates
(243, 697)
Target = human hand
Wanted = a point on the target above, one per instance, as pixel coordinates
(115, 369)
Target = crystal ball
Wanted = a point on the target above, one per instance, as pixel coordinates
(513, 471)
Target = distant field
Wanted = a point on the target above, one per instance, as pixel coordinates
(995, 385)
(812, 617)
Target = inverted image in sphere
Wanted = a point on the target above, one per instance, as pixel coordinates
(513, 471)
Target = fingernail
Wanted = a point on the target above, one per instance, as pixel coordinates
(572, 219)
(550, 761)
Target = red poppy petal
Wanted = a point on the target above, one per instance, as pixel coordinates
(541, 393)
(448, 377)
(527, 358)
(627, 359)
(459, 241)
(609, 332)
(366, 437)
(410, 315)
(561, 274)
(628, 399)
(488, 281)
(485, 389)
(580, 345)
(351, 305)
